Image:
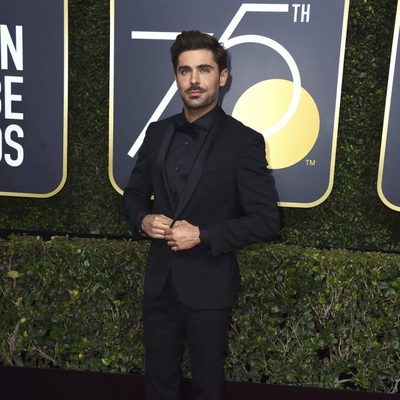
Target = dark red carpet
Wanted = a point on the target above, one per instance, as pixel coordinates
(54, 384)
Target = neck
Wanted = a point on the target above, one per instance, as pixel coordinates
(192, 114)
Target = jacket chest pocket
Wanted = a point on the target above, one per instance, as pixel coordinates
(218, 180)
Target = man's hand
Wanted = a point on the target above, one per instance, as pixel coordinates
(182, 236)
(154, 225)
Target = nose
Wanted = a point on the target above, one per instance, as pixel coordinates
(195, 77)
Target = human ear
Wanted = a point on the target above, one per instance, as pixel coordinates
(223, 77)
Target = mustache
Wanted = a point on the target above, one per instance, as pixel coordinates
(195, 87)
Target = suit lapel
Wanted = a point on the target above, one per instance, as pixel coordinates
(162, 154)
(199, 164)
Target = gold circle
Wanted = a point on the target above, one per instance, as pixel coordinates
(264, 104)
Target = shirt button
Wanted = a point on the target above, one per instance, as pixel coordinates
(186, 143)
(176, 168)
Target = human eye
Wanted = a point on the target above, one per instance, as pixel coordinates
(184, 71)
(204, 70)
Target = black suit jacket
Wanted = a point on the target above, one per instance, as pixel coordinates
(229, 192)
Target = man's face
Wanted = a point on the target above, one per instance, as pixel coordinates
(199, 80)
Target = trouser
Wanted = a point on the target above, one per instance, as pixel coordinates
(167, 323)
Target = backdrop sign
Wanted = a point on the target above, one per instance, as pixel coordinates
(33, 97)
(286, 71)
(389, 164)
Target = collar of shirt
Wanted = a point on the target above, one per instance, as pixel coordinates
(205, 122)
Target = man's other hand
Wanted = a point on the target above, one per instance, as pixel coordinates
(182, 236)
(154, 225)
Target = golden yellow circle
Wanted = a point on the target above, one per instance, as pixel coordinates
(264, 104)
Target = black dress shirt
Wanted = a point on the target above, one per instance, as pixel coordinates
(183, 150)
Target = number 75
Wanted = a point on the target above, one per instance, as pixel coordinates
(229, 41)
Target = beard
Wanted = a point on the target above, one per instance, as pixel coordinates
(203, 100)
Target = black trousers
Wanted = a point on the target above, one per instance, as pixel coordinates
(167, 323)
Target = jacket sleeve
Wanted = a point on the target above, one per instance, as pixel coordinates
(260, 219)
(137, 194)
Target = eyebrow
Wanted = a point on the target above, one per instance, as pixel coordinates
(205, 66)
(197, 66)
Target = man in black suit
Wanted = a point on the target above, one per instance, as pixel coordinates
(212, 194)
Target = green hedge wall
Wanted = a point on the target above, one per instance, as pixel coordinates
(328, 318)
(352, 217)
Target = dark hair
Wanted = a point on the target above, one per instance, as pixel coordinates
(196, 40)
